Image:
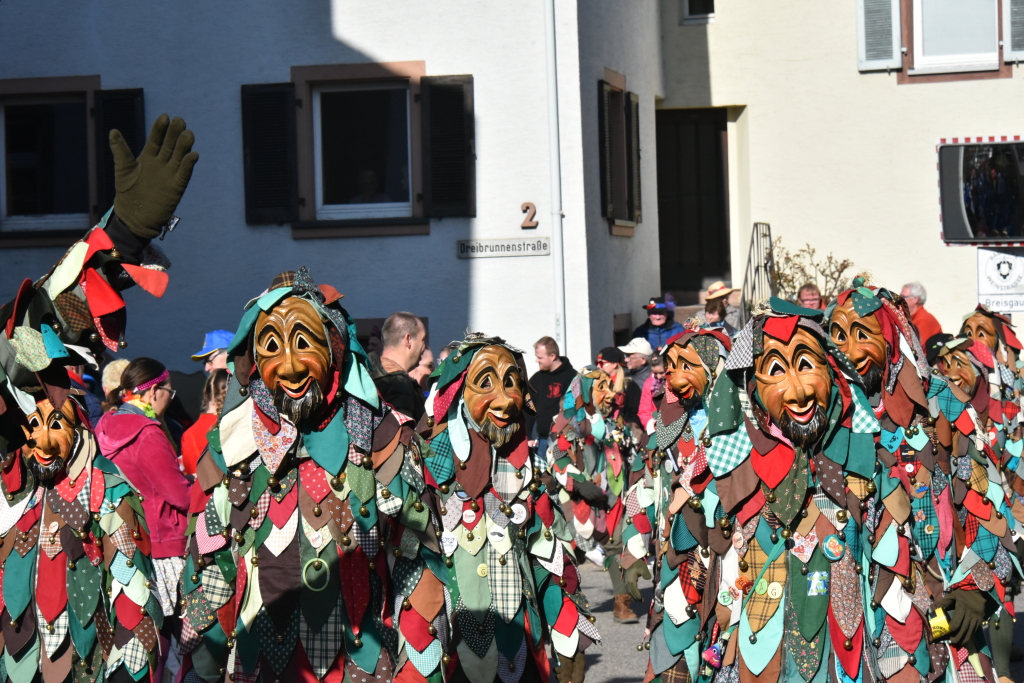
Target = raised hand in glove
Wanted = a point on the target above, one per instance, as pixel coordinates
(591, 492)
(632, 577)
(571, 670)
(149, 187)
(968, 609)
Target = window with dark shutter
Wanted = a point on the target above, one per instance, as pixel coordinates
(633, 157)
(449, 146)
(268, 143)
(122, 110)
(604, 95)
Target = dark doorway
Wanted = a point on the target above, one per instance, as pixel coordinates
(693, 216)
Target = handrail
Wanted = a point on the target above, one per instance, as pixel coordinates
(759, 282)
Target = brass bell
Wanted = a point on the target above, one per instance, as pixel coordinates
(431, 630)
(272, 482)
(385, 494)
(786, 533)
(317, 511)
(254, 513)
(547, 535)
(445, 659)
(239, 537)
(444, 488)
(848, 644)
(444, 510)
(417, 506)
(406, 604)
(448, 562)
(723, 522)
(841, 515)
(318, 564)
(335, 483)
(462, 465)
(345, 540)
(358, 642)
(364, 511)
(473, 505)
(71, 565)
(469, 535)
(744, 566)
(770, 497)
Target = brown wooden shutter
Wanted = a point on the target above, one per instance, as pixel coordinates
(270, 153)
(633, 156)
(449, 146)
(125, 111)
(604, 97)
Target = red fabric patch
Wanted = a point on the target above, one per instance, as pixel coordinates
(128, 613)
(563, 443)
(965, 424)
(902, 566)
(477, 515)
(98, 240)
(414, 628)
(611, 519)
(97, 491)
(908, 635)
(355, 589)
(977, 505)
(92, 551)
(14, 474)
(226, 616)
(66, 490)
(782, 328)
(571, 578)
(642, 523)
(581, 510)
(153, 281)
(53, 575)
(850, 659)
(701, 481)
(444, 398)
(543, 508)
(314, 480)
(751, 508)
(241, 580)
(100, 296)
(567, 618)
(773, 467)
(518, 449)
(272, 427)
(280, 513)
(1011, 338)
(29, 519)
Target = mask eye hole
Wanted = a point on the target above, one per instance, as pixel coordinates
(776, 369)
(510, 381)
(272, 346)
(485, 383)
(804, 364)
(862, 335)
(302, 343)
(838, 335)
(33, 422)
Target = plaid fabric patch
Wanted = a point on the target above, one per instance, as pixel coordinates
(52, 639)
(322, 647)
(742, 355)
(50, 544)
(505, 582)
(728, 451)
(411, 473)
(1005, 375)
(985, 544)
(441, 465)
(926, 524)
(760, 608)
(135, 655)
(217, 590)
(189, 637)
(387, 506)
(949, 404)
(864, 420)
(74, 311)
(367, 539)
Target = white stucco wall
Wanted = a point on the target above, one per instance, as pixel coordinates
(624, 271)
(191, 57)
(843, 160)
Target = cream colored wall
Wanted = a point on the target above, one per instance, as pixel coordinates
(827, 155)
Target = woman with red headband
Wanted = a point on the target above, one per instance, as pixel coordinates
(135, 438)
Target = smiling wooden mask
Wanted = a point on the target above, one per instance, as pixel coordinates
(51, 439)
(793, 382)
(684, 372)
(293, 356)
(494, 393)
(981, 327)
(863, 342)
(958, 368)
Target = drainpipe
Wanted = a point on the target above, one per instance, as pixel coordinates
(554, 144)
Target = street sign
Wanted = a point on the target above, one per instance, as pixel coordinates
(513, 246)
(1001, 281)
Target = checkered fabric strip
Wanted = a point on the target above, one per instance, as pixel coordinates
(505, 582)
(728, 451)
(50, 543)
(632, 504)
(74, 311)
(135, 655)
(52, 639)
(411, 473)
(742, 354)
(189, 637)
(217, 590)
(367, 540)
(354, 454)
(262, 506)
(864, 420)
(985, 544)
(122, 540)
(760, 608)
(588, 629)
(1005, 375)
(389, 506)
(949, 404)
(322, 646)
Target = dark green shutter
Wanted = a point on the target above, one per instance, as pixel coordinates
(125, 111)
(633, 156)
(604, 96)
(449, 146)
(270, 154)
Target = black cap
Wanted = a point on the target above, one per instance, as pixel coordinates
(934, 345)
(610, 354)
(656, 302)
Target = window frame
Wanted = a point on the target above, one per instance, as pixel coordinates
(687, 18)
(358, 211)
(962, 63)
(49, 229)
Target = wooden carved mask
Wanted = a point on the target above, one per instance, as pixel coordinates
(293, 355)
(602, 393)
(982, 328)
(793, 383)
(958, 368)
(494, 394)
(51, 439)
(861, 339)
(685, 373)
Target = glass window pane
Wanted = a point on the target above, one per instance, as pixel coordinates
(47, 159)
(958, 27)
(698, 7)
(365, 146)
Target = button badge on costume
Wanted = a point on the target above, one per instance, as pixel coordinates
(481, 570)
(762, 587)
(725, 598)
(448, 542)
(468, 516)
(774, 590)
(832, 547)
(518, 513)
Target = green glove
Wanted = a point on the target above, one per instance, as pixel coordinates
(591, 493)
(632, 577)
(149, 187)
(968, 609)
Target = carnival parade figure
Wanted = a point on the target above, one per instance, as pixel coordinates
(590, 452)
(672, 497)
(311, 543)
(77, 587)
(512, 585)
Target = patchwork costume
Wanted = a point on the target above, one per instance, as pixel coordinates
(311, 545)
(512, 585)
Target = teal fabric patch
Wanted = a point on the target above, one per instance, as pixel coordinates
(54, 347)
(329, 447)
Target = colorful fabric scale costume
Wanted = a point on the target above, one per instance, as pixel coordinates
(673, 497)
(77, 586)
(512, 586)
(311, 545)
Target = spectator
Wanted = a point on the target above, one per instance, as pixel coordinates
(404, 338)
(549, 385)
(422, 371)
(613, 361)
(915, 296)
(136, 441)
(92, 404)
(193, 441)
(934, 345)
(637, 353)
(373, 342)
(447, 351)
(214, 353)
(660, 325)
(809, 296)
(654, 386)
(719, 291)
(714, 316)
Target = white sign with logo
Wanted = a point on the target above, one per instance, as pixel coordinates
(513, 246)
(1001, 281)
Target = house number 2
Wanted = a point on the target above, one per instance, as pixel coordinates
(530, 210)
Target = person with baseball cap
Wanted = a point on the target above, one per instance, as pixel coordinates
(638, 354)
(660, 325)
(214, 353)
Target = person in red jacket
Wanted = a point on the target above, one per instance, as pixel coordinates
(193, 441)
(135, 439)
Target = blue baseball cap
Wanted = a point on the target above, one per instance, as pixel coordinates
(215, 341)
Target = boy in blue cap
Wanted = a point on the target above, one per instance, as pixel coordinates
(214, 354)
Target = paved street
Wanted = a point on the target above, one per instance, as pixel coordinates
(615, 659)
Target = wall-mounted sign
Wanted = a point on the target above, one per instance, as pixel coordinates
(1001, 281)
(513, 246)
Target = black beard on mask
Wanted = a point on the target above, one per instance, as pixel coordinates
(297, 409)
(872, 380)
(690, 403)
(804, 434)
(46, 472)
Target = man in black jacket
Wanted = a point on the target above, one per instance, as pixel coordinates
(549, 386)
(404, 343)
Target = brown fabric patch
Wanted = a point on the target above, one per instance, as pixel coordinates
(74, 311)
(477, 474)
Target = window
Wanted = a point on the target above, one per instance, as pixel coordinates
(955, 35)
(619, 127)
(359, 150)
(696, 12)
(361, 146)
(45, 170)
